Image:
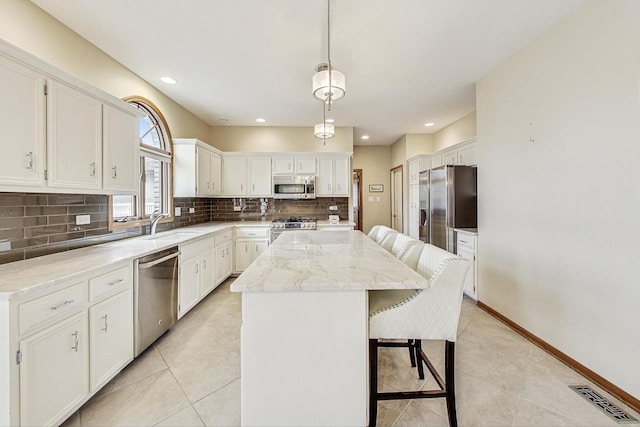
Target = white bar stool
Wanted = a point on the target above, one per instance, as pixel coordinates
(431, 313)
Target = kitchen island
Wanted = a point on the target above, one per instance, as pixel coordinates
(305, 327)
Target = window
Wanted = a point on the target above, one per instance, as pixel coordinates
(155, 171)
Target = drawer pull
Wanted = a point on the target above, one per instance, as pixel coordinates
(463, 241)
(115, 282)
(76, 338)
(67, 302)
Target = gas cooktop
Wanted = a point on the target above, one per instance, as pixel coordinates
(294, 222)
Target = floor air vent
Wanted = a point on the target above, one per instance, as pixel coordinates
(602, 403)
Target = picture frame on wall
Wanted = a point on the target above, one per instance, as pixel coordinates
(376, 188)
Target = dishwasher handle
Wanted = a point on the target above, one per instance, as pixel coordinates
(158, 261)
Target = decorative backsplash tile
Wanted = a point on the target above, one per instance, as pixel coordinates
(33, 225)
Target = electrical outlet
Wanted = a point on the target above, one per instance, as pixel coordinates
(177, 211)
(333, 208)
(192, 210)
(83, 219)
(236, 209)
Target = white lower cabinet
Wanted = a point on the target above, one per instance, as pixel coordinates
(54, 374)
(223, 256)
(111, 337)
(466, 245)
(196, 273)
(250, 243)
(65, 345)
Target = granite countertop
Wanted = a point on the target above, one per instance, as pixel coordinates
(21, 277)
(326, 260)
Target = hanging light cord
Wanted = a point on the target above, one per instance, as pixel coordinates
(329, 49)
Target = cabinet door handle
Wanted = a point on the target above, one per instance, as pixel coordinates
(29, 156)
(114, 172)
(289, 167)
(106, 324)
(300, 165)
(59, 306)
(197, 268)
(227, 251)
(241, 187)
(92, 169)
(204, 263)
(246, 248)
(254, 188)
(76, 341)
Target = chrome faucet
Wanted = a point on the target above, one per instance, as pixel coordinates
(155, 217)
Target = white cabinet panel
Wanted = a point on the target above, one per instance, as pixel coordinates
(207, 276)
(223, 261)
(234, 176)
(54, 372)
(196, 169)
(22, 125)
(306, 165)
(74, 138)
(259, 177)
(466, 247)
(467, 155)
(120, 149)
(189, 285)
(334, 176)
(288, 165)
(111, 325)
(282, 165)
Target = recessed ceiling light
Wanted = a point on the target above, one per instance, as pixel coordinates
(168, 80)
(330, 120)
(260, 120)
(428, 124)
(364, 137)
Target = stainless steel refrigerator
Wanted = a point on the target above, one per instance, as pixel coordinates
(452, 203)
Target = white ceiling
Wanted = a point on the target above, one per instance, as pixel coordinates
(407, 62)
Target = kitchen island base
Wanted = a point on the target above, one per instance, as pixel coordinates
(291, 340)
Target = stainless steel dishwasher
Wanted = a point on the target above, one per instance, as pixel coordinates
(155, 296)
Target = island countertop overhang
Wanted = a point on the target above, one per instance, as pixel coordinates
(309, 261)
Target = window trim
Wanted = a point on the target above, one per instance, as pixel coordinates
(157, 153)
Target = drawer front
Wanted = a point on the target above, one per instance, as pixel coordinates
(109, 282)
(252, 233)
(52, 306)
(223, 237)
(467, 240)
(196, 248)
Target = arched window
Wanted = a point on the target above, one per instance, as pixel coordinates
(155, 171)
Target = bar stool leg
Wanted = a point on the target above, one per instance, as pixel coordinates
(449, 357)
(418, 353)
(412, 353)
(373, 382)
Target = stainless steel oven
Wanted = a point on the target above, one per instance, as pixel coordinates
(294, 187)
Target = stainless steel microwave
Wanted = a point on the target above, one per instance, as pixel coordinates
(294, 187)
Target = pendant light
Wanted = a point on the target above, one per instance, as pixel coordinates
(324, 130)
(328, 84)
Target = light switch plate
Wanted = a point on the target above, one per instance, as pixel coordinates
(192, 210)
(83, 219)
(177, 211)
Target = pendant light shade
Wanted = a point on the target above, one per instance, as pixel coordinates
(324, 130)
(322, 86)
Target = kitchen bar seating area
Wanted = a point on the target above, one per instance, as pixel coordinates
(345, 289)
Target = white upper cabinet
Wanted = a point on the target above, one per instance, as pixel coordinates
(74, 138)
(289, 165)
(120, 150)
(259, 178)
(53, 134)
(196, 169)
(414, 171)
(234, 176)
(334, 176)
(22, 125)
(467, 155)
(246, 176)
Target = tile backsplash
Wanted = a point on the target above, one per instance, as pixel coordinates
(36, 224)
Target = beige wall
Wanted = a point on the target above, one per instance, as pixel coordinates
(559, 217)
(28, 27)
(399, 152)
(375, 162)
(458, 131)
(271, 138)
(418, 144)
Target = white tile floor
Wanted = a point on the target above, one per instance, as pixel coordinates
(191, 377)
